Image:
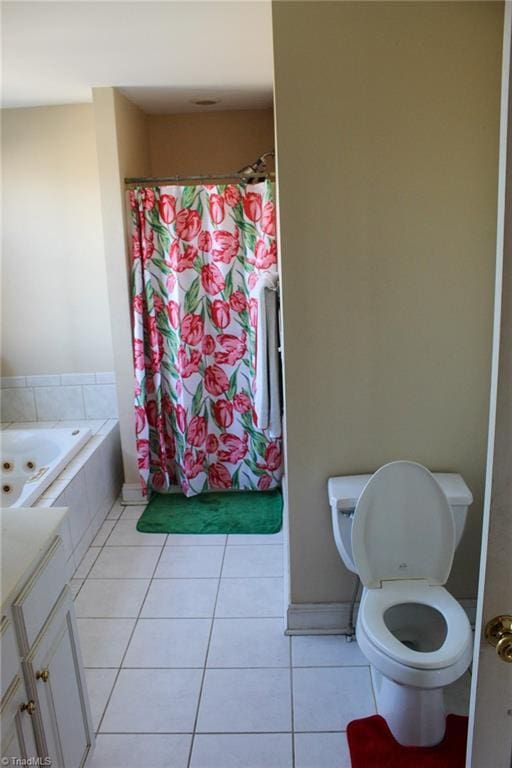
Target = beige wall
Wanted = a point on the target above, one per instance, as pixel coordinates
(123, 150)
(209, 142)
(54, 297)
(387, 128)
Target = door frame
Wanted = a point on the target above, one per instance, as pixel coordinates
(504, 225)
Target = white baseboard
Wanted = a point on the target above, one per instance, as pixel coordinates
(333, 618)
(132, 494)
(318, 618)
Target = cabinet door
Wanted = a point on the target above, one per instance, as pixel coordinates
(54, 673)
(18, 741)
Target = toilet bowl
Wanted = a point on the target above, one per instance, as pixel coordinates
(398, 529)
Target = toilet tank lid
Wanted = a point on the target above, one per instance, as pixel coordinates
(344, 491)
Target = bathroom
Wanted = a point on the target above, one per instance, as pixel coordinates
(387, 198)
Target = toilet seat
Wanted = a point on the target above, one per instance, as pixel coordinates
(403, 527)
(375, 602)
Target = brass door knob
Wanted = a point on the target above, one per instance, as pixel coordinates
(498, 632)
(29, 707)
(504, 648)
(43, 675)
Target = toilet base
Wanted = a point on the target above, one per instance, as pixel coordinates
(415, 716)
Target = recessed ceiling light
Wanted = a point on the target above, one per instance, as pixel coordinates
(205, 102)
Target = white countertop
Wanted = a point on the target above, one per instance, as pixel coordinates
(26, 534)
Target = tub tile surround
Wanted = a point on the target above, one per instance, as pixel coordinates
(43, 380)
(18, 404)
(55, 402)
(88, 486)
(188, 665)
(100, 400)
(49, 397)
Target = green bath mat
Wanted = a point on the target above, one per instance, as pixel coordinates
(237, 512)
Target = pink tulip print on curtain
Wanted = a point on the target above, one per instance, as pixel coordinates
(198, 256)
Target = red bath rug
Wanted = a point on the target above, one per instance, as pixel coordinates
(372, 745)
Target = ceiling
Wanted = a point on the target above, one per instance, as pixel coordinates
(162, 55)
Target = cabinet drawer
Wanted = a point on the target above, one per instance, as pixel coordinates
(10, 657)
(36, 600)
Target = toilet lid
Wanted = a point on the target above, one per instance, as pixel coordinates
(403, 527)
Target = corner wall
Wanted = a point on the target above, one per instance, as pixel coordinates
(387, 139)
(123, 150)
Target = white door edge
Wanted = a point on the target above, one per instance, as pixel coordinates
(500, 241)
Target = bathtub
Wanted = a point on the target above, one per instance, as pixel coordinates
(31, 459)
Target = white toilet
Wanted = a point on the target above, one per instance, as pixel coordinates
(398, 529)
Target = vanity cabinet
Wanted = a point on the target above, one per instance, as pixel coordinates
(18, 736)
(55, 681)
(45, 709)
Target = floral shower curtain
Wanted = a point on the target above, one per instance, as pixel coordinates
(199, 254)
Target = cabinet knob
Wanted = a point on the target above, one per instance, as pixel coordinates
(29, 707)
(43, 674)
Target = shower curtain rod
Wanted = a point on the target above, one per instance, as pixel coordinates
(155, 180)
(257, 170)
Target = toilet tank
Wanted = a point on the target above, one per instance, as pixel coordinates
(344, 493)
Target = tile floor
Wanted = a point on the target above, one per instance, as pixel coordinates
(186, 661)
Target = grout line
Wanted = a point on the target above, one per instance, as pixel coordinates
(214, 733)
(192, 666)
(90, 567)
(134, 624)
(85, 579)
(128, 644)
(36, 409)
(99, 531)
(211, 616)
(75, 594)
(208, 733)
(119, 578)
(292, 710)
(172, 578)
(206, 656)
(139, 546)
(186, 546)
(82, 397)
